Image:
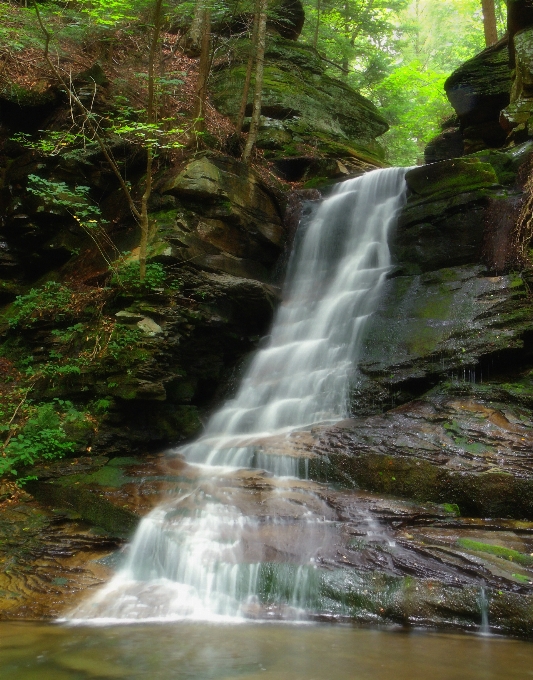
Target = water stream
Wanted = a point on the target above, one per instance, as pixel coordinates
(244, 532)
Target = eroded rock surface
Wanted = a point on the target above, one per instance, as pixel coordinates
(372, 558)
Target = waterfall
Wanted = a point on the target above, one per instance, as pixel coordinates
(242, 534)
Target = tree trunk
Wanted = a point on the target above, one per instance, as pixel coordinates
(489, 22)
(519, 16)
(258, 91)
(317, 25)
(150, 118)
(194, 39)
(203, 72)
(249, 69)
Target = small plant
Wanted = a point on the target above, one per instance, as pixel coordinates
(102, 405)
(51, 300)
(128, 277)
(41, 438)
(66, 335)
(75, 201)
(123, 341)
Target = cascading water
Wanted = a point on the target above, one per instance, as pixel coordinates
(243, 535)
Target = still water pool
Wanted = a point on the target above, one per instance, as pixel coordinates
(183, 651)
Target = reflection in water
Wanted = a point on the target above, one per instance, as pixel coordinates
(249, 652)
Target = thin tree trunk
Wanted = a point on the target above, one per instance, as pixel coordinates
(87, 116)
(258, 91)
(345, 62)
(140, 215)
(195, 32)
(150, 118)
(317, 25)
(249, 70)
(489, 22)
(203, 72)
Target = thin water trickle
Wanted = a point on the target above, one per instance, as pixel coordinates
(484, 628)
(212, 553)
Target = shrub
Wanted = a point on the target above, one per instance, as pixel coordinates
(128, 277)
(41, 438)
(51, 300)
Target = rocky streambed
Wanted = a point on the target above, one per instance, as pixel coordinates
(375, 558)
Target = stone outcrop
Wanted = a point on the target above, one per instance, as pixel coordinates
(492, 93)
(517, 118)
(312, 125)
(478, 90)
(219, 235)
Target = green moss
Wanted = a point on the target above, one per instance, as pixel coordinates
(316, 182)
(515, 280)
(521, 579)
(108, 475)
(452, 508)
(424, 341)
(498, 550)
(447, 178)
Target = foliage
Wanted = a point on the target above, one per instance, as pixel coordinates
(358, 35)
(42, 437)
(399, 55)
(127, 277)
(75, 201)
(123, 341)
(49, 143)
(164, 134)
(412, 98)
(51, 300)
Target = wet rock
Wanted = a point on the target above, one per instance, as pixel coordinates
(47, 561)
(442, 323)
(443, 448)
(361, 557)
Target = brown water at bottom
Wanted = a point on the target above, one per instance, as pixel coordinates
(270, 651)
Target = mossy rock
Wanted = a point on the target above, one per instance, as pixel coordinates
(90, 506)
(447, 178)
(506, 163)
(480, 88)
(312, 107)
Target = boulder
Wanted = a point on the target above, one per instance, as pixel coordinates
(449, 144)
(230, 220)
(478, 90)
(305, 112)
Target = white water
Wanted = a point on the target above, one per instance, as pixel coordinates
(207, 555)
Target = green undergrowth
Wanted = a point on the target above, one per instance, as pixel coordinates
(497, 550)
(38, 432)
(126, 278)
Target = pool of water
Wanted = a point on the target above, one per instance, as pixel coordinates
(268, 651)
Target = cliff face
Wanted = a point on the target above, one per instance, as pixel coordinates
(143, 363)
(442, 405)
